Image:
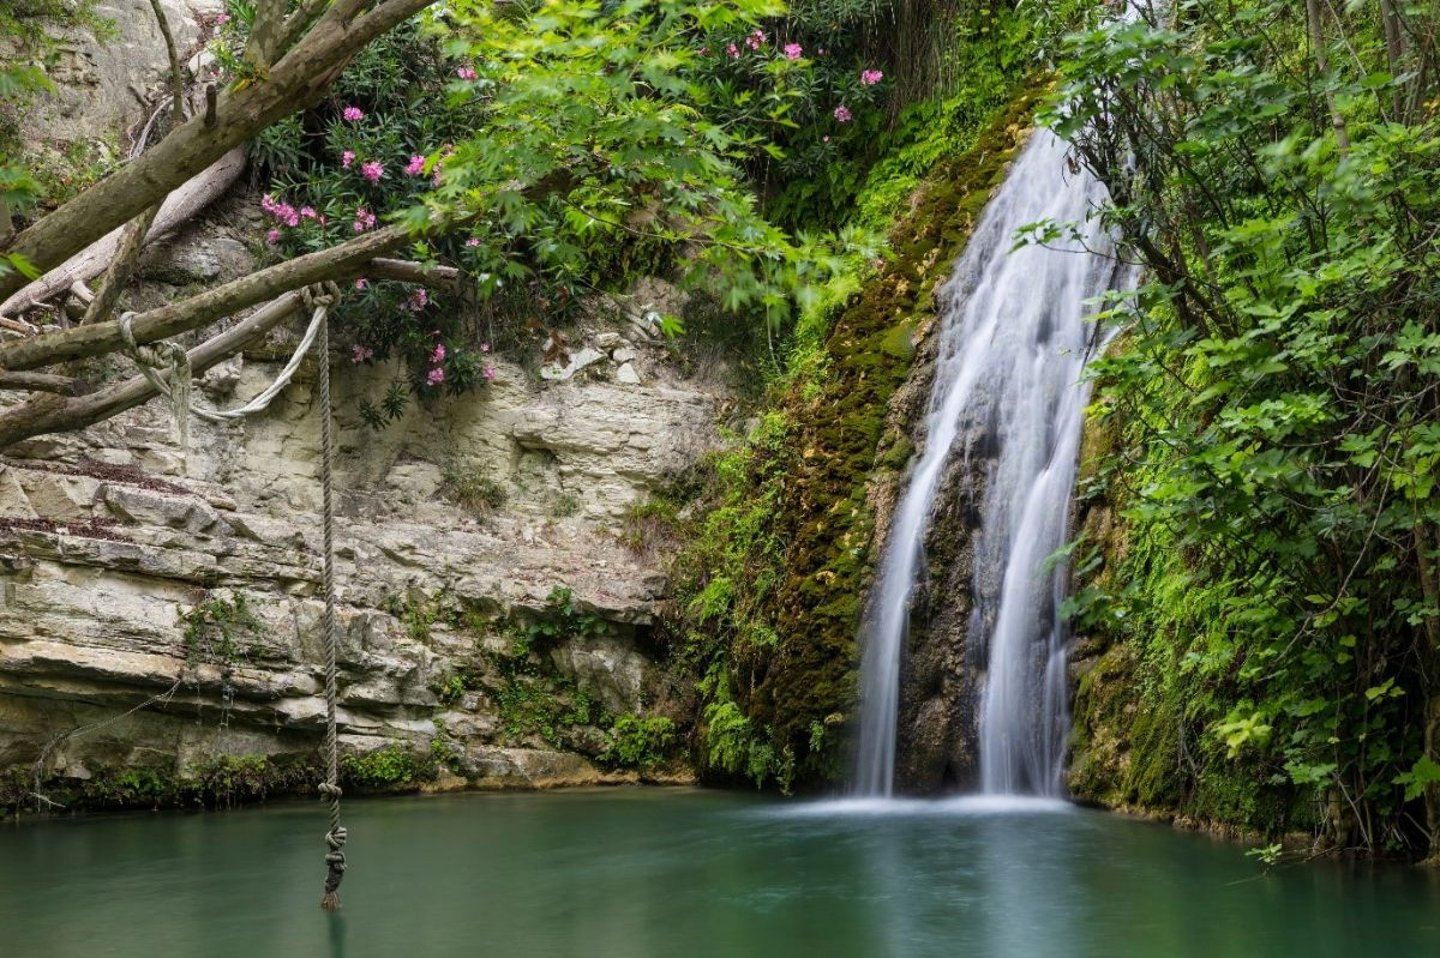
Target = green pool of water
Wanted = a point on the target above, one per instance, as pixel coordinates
(639, 872)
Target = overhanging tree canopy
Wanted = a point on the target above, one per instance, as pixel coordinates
(586, 122)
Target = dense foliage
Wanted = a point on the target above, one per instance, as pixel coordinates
(1275, 406)
(778, 533)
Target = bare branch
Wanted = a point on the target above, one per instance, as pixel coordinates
(44, 383)
(118, 275)
(50, 414)
(177, 73)
(339, 262)
(410, 272)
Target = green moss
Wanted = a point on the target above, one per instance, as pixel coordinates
(222, 781)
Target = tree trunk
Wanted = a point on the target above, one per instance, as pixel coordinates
(47, 414)
(1322, 60)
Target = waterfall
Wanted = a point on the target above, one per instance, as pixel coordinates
(1008, 385)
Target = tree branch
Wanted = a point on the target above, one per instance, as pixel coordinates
(411, 272)
(347, 260)
(177, 74)
(44, 383)
(50, 414)
(295, 82)
(115, 278)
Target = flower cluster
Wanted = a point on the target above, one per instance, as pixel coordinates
(364, 220)
(360, 354)
(436, 374)
(793, 51)
(372, 170)
(284, 212)
(352, 114)
(871, 77)
(286, 215)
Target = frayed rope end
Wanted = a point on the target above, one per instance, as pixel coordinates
(331, 901)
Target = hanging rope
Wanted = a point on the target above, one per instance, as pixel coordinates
(166, 366)
(330, 788)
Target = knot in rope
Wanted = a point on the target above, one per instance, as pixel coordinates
(319, 296)
(330, 791)
(174, 385)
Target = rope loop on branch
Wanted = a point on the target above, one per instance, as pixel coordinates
(166, 366)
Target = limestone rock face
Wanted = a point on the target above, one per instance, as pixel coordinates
(98, 83)
(457, 524)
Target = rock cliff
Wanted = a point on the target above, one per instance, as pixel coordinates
(160, 606)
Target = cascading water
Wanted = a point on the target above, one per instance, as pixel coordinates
(1014, 338)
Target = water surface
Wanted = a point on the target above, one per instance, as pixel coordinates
(633, 873)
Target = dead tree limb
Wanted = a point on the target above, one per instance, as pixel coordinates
(347, 260)
(178, 207)
(50, 414)
(44, 383)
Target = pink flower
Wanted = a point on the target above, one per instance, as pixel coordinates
(272, 237)
(435, 376)
(484, 347)
(488, 372)
(372, 170)
(352, 114)
(222, 19)
(437, 356)
(418, 301)
(346, 159)
(825, 138)
(308, 212)
(734, 51)
(756, 40)
(871, 77)
(793, 51)
(416, 166)
(359, 354)
(704, 51)
(466, 73)
(843, 114)
(364, 220)
(473, 241)
(361, 283)
(822, 51)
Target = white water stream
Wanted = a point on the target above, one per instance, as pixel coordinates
(1014, 340)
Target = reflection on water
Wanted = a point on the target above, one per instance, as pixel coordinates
(636, 873)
